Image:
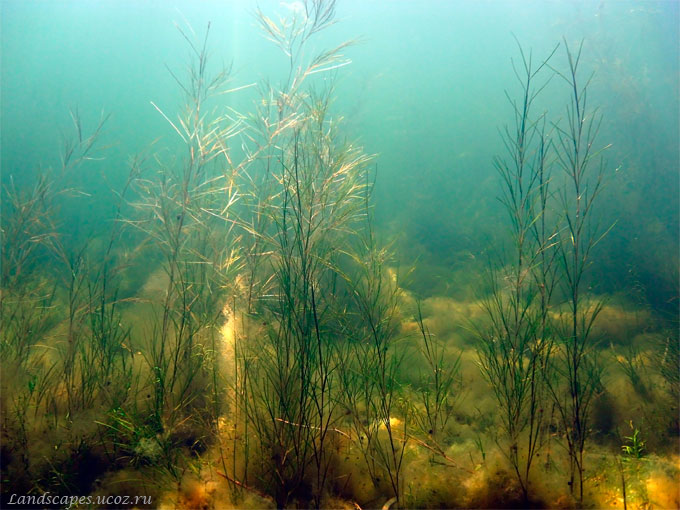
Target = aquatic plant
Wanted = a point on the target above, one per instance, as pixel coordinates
(296, 351)
(298, 213)
(635, 446)
(631, 462)
(441, 383)
(184, 213)
(514, 350)
(30, 238)
(575, 361)
(667, 364)
(370, 366)
(64, 341)
(633, 365)
(28, 227)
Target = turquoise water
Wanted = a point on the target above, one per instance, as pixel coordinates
(424, 93)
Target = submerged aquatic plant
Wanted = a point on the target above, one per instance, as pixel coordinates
(292, 379)
(514, 351)
(529, 356)
(633, 365)
(441, 383)
(574, 359)
(635, 446)
(63, 340)
(371, 364)
(667, 364)
(184, 213)
(299, 213)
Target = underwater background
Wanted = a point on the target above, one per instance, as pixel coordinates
(425, 91)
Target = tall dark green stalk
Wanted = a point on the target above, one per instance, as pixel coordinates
(576, 361)
(303, 195)
(514, 351)
(312, 217)
(370, 361)
(372, 390)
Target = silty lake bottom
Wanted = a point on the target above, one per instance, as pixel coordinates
(340, 255)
